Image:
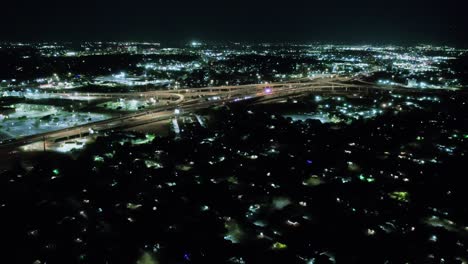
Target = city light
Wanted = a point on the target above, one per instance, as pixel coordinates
(233, 152)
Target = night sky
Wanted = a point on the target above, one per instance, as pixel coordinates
(339, 21)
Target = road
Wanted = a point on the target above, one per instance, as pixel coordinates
(189, 100)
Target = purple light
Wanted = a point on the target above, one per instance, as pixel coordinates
(268, 90)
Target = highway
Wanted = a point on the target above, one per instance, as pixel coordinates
(190, 100)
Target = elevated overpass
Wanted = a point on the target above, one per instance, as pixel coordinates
(190, 100)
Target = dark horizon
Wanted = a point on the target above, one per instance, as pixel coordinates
(358, 22)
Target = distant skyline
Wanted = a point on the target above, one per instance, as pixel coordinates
(171, 22)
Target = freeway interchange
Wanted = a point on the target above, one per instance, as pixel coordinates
(190, 100)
